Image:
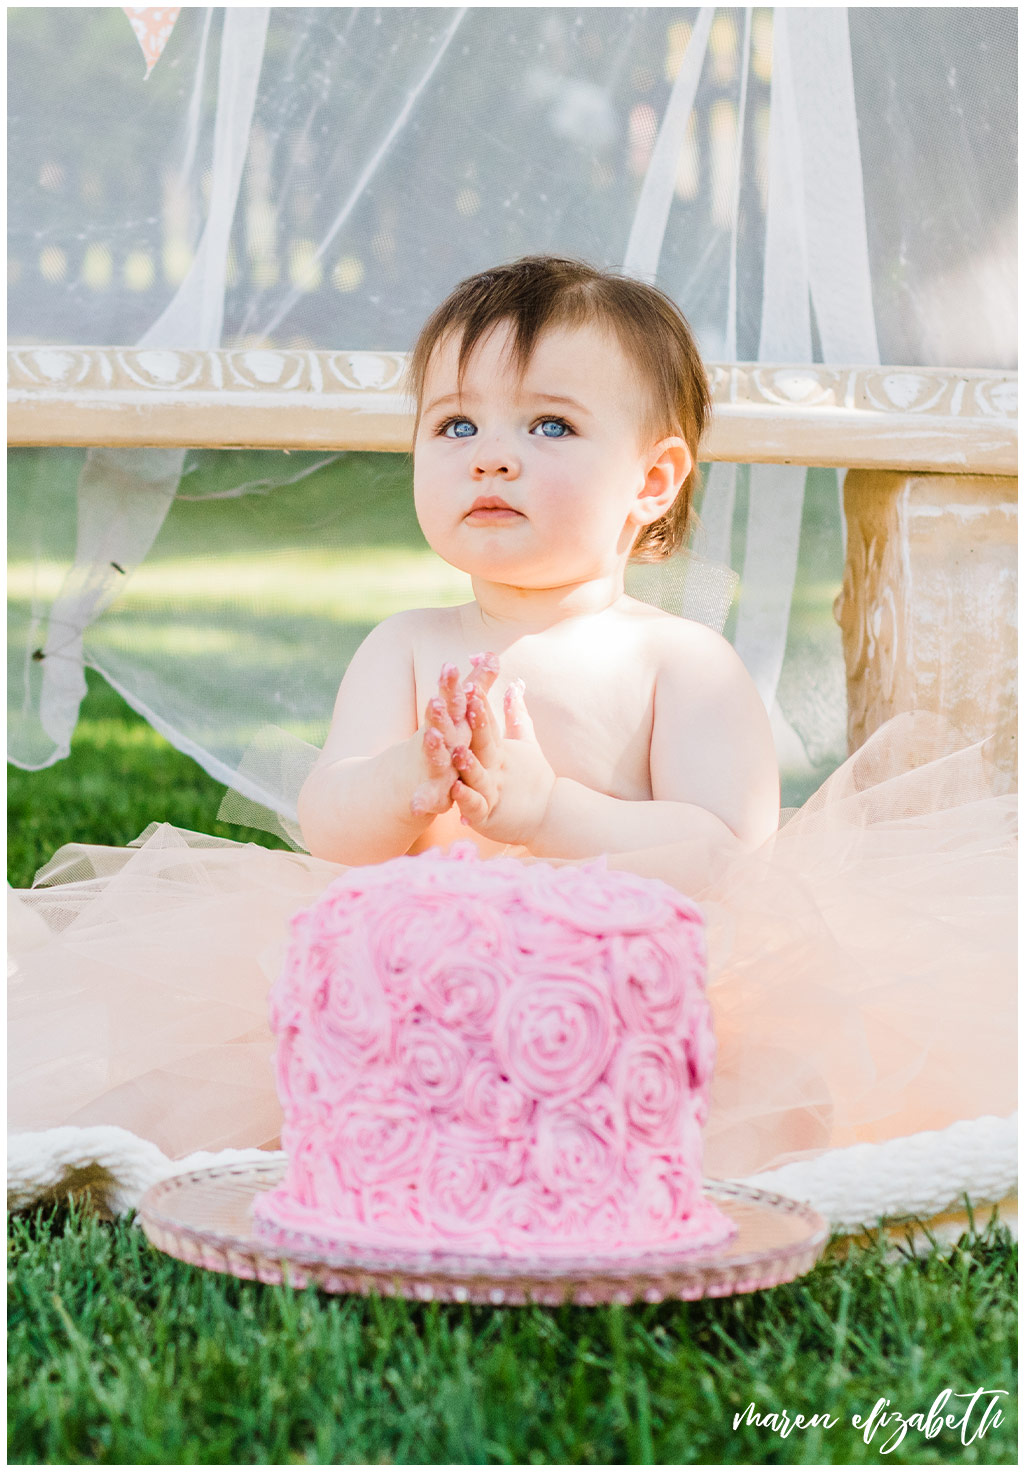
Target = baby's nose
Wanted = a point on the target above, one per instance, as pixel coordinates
(497, 461)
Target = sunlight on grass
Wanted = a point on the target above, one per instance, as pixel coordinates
(280, 643)
(360, 585)
(363, 584)
(178, 638)
(106, 734)
(113, 735)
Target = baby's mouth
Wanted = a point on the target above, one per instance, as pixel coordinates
(492, 511)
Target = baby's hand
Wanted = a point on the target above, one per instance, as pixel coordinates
(445, 727)
(504, 784)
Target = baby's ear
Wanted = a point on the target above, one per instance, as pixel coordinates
(669, 462)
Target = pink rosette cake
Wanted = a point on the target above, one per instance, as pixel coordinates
(494, 1058)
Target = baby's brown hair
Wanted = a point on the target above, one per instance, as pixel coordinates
(539, 292)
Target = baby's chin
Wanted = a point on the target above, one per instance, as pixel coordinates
(508, 561)
(517, 572)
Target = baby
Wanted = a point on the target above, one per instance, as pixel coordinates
(559, 412)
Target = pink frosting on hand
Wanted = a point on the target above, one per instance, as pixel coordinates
(505, 1058)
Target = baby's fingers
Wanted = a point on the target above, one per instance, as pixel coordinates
(437, 719)
(435, 753)
(485, 739)
(518, 725)
(433, 796)
(485, 671)
(475, 792)
(472, 808)
(452, 692)
(473, 774)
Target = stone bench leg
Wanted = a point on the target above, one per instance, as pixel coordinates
(928, 609)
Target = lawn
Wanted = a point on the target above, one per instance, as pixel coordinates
(118, 1355)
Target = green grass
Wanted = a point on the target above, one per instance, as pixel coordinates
(120, 1355)
(121, 775)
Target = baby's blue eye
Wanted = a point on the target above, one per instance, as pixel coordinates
(553, 429)
(459, 429)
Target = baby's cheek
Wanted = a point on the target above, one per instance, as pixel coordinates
(430, 500)
(582, 490)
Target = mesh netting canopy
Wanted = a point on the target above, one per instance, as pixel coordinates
(809, 185)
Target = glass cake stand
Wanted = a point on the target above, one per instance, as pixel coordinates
(204, 1218)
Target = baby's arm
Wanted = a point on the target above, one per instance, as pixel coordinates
(380, 780)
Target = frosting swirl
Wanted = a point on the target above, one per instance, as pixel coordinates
(458, 1189)
(651, 1081)
(379, 1134)
(667, 1193)
(577, 1146)
(391, 1207)
(554, 1034)
(700, 1057)
(349, 1017)
(424, 924)
(492, 1101)
(432, 1060)
(298, 1079)
(537, 1215)
(462, 992)
(651, 982)
(601, 902)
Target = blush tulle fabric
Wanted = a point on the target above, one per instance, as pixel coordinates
(862, 982)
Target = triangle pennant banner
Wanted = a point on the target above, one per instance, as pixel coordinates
(152, 28)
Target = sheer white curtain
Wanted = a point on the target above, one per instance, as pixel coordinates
(810, 184)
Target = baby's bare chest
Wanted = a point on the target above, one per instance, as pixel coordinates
(592, 707)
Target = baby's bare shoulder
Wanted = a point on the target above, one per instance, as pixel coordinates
(411, 628)
(426, 639)
(673, 648)
(680, 647)
(412, 621)
(700, 680)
